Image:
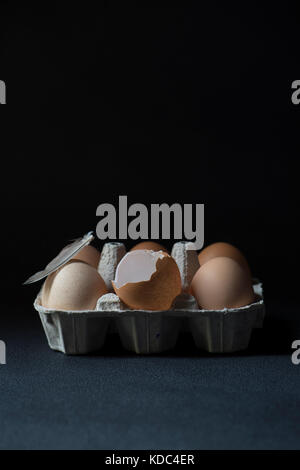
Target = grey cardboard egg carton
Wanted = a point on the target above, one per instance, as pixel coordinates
(149, 332)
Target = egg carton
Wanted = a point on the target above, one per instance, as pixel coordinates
(150, 332)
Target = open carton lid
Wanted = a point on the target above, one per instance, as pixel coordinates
(62, 258)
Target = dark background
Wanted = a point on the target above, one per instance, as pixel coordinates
(188, 105)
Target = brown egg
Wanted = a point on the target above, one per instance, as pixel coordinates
(147, 280)
(89, 255)
(75, 286)
(222, 283)
(223, 249)
(149, 246)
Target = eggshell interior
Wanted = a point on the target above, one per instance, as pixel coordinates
(137, 266)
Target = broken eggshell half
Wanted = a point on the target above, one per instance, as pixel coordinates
(147, 280)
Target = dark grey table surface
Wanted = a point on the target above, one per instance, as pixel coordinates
(116, 400)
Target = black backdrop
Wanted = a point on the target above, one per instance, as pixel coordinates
(188, 105)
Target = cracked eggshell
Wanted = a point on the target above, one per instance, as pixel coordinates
(75, 286)
(223, 249)
(149, 245)
(89, 255)
(147, 280)
(222, 283)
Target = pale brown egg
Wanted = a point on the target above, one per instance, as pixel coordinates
(149, 245)
(222, 283)
(89, 255)
(223, 249)
(75, 286)
(147, 280)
